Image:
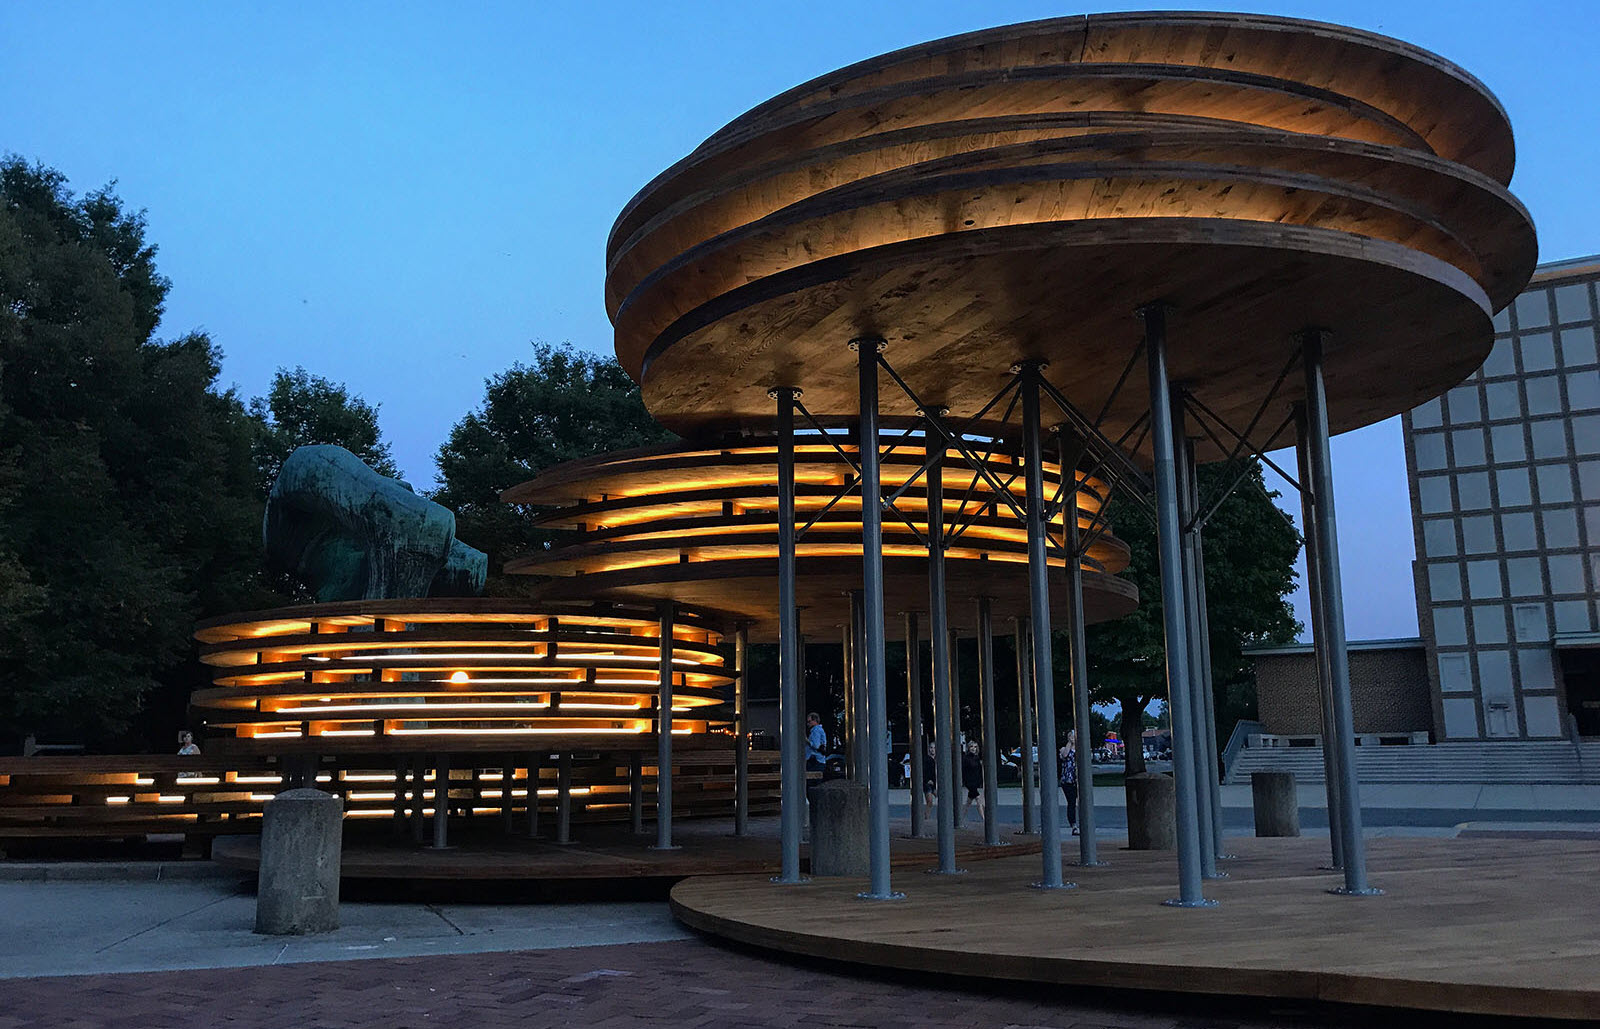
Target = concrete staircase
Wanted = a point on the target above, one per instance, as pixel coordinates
(1508, 761)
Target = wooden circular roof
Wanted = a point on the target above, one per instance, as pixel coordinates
(698, 525)
(1019, 192)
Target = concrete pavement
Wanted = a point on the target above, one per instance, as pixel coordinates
(54, 928)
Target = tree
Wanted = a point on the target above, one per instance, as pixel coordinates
(1249, 566)
(127, 496)
(300, 409)
(565, 405)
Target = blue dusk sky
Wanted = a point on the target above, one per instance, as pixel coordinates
(404, 196)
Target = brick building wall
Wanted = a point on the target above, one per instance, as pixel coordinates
(1389, 690)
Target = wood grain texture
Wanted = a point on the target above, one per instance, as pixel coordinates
(1018, 192)
(1467, 926)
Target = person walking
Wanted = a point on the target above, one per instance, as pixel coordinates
(1068, 764)
(972, 776)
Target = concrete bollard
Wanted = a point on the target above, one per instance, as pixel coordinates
(1276, 802)
(301, 843)
(1152, 812)
(839, 829)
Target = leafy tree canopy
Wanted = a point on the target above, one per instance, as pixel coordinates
(1249, 566)
(300, 409)
(127, 497)
(565, 405)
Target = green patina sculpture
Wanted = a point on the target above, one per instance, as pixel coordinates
(352, 534)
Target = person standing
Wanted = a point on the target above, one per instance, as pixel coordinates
(1068, 763)
(972, 776)
(816, 742)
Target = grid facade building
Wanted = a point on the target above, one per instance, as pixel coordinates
(1504, 473)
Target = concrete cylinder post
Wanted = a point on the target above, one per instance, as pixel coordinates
(1152, 812)
(301, 845)
(840, 829)
(1276, 803)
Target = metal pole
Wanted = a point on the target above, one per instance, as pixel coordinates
(939, 647)
(1088, 849)
(534, 762)
(398, 823)
(441, 802)
(861, 746)
(419, 776)
(741, 730)
(564, 798)
(958, 745)
(664, 732)
(1039, 612)
(1319, 636)
(636, 793)
(1320, 462)
(1183, 451)
(1208, 694)
(991, 756)
(791, 711)
(1019, 628)
(508, 774)
(848, 667)
(914, 720)
(876, 693)
(1175, 622)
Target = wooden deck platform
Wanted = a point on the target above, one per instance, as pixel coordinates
(1496, 927)
(605, 851)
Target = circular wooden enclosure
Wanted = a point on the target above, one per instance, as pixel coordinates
(1018, 193)
(438, 674)
(698, 524)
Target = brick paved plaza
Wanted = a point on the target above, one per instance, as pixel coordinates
(685, 983)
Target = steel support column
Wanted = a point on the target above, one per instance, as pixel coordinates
(1208, 693)
(1019, 629)
(664, 731)
(508, 775)
(939, 648)
(1319, 632)
(741, 731)
(1169, 532)
(957, 743)
(441, 802)
(875, 693)
(564, 798)
(636, 793)
(531, 826)
(1188, 502)
(1039, 617)
(860, 745)
(1088, 849)
(791, 705)
(1319, 463)
(916, 748)
(991, 727)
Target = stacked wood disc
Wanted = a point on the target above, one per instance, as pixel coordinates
(1018, 193)
(420, 675)
(698, 524)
